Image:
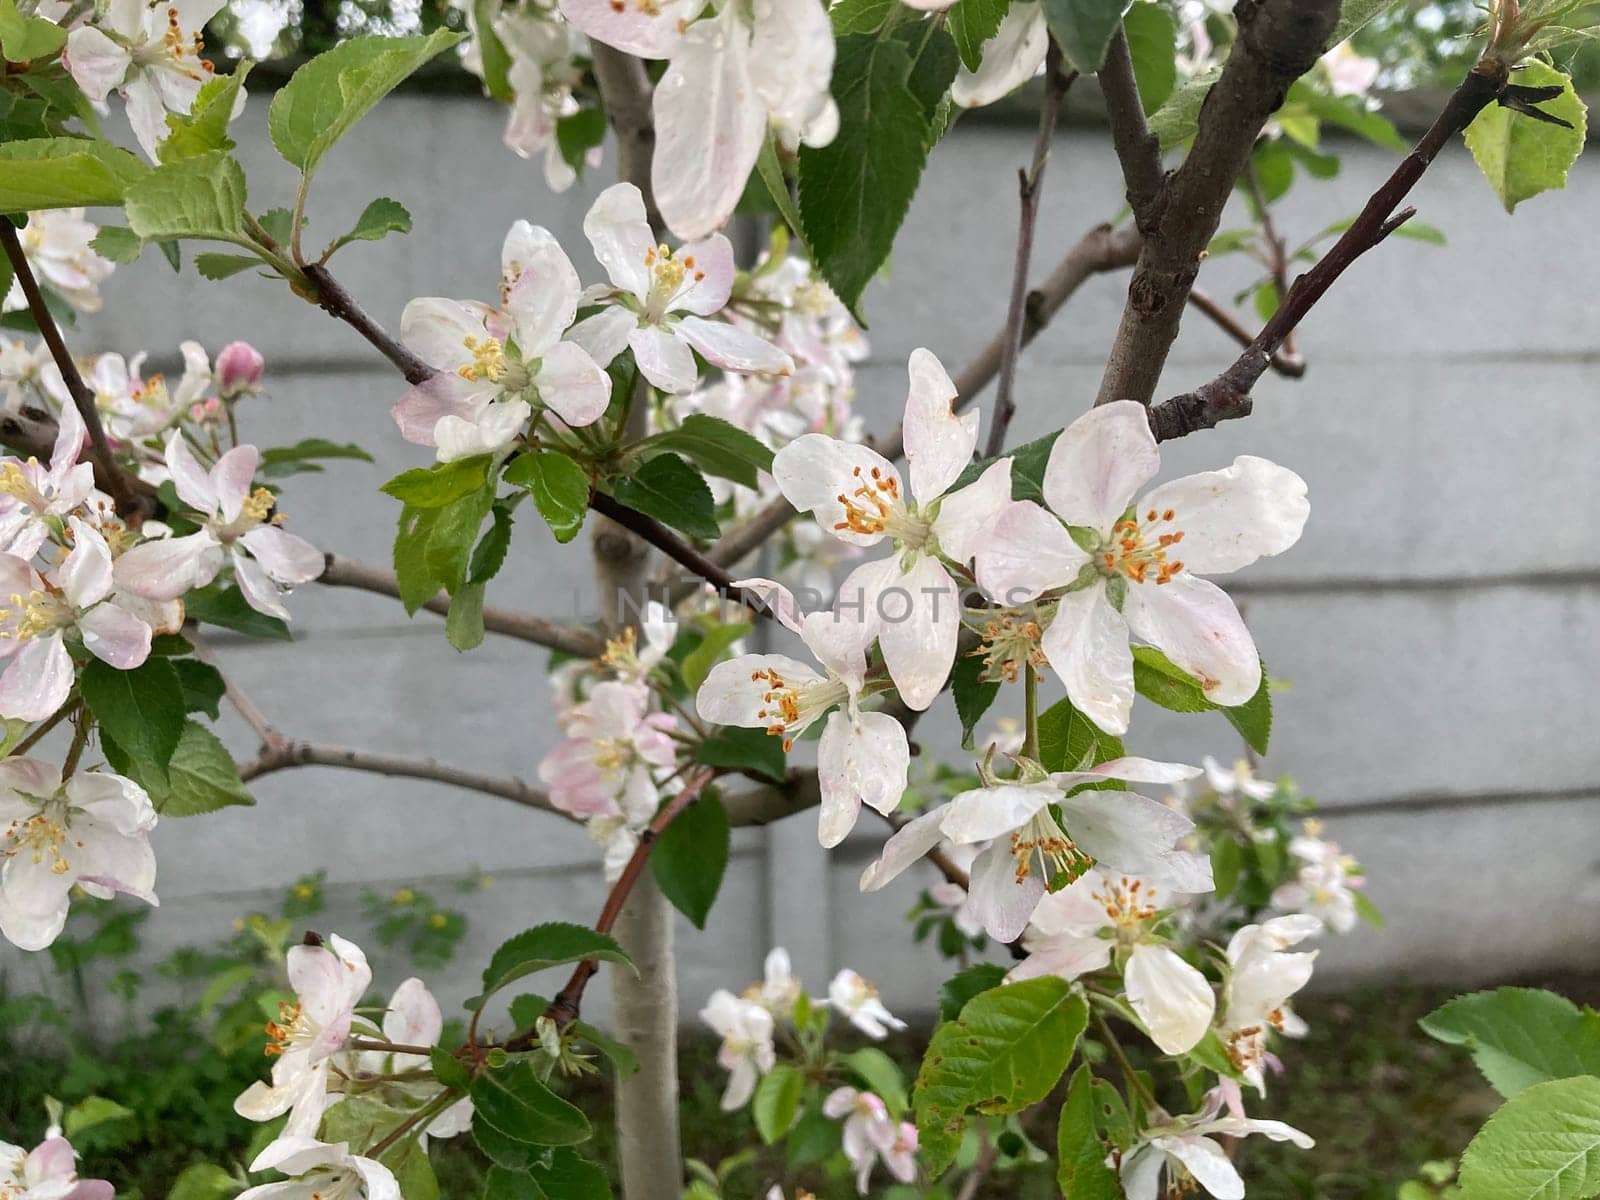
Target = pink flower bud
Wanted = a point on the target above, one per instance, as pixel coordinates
(239, 368)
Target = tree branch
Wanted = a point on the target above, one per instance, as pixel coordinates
(1291, 366)
(628, 92)
(1101, 249)
(1138, 150)
(1228, 395)
(1029, 183)
(336, 302)
(288, 753)
(131, 500)
(1279, 40)
(569, 639)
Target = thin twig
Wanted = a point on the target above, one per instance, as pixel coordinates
(1277, 248)
(1291, 366)
(257, 720)
(332, 298)
(1138, 150)
(569, 639)
(1029, 183)
(131, 501)
(289, 753)
(1227, 396)
(38, 734)
(567, 1005)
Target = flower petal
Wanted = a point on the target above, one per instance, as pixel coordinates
(1099, 463)
(918, 619)
(1232, 517)
(1086, 643)
(1025, 551)
(1134, 834)
(1171, 997)
(1002, 901)
(983, 813)
(864, 760)
(544, 298)
(36, 680)
(1010, 58)
(733, 348)
(815, 470)
(168, 567)
(573, 384)
(615, 224)
(288, 559)
(965, 517)
(938, 443)
(605, 334)
(909, 844)
(1195, 623)
(114, 635)
(663, 358)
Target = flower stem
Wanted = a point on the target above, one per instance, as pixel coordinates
(429, 1110)
(1131, 1076)
(80, 738)
(1030, 701)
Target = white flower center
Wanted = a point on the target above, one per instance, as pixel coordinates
(1042, 839)
(876, 506)
(45, 837)
(1137, 548)
(787, 707)
(1128, 904)
(259, 508)
(291, 1031)
(488, 360)
(14, 481)
(34, 614)
(670, 277)
(176, 50)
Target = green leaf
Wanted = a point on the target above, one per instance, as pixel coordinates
(559, 487)
(203, 686)
(777, 1101)
(453, 535)
(1081, 1167)
(753, 751)
(1084, 29)
(65, 172)
(203, 1181)
(278, 461)
(541, 947)
(1176, 120)
(1520, 1037)
(198, 197)
(690, 857)
(215, 266)
(1070, 741)
(671, 491)
(578, 133)
(418, 582)
(562, 1175)
(971, 24)
(204, 127)
(1543, 1143)
(449, 1070)
(1521, 156)
(440, 484)
(379, 219)
(329, 94)
(25, 38)
(142, 710)
(1153, 45)
(877, 1072)
(492, 52)
(1005, 1052)
(965, 984)
(118, 244)
(92, 1111)
(226, 608)
(1354, 14)
(860, 16)
(973, 695)
(855, 191)
(720, 447)
(1158, 679)
(771, 171)
(515, 1104)
(202, 776)
(463, 623)
(698, 662)
(490, 553)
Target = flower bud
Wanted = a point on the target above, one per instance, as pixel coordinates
(239, 368)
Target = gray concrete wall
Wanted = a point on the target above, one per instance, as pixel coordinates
(1440, 620)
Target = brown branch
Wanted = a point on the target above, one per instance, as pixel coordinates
(663, 539)
(332, 298)
(131, 500)
(627, 91)
(1138, 150)
(564, 1009)
(1029, 183)
(1279, 40)
(1101, 249)
(569, 639)
(1291, 366)
(1228, 395)
(1277, 248)
(287, 753)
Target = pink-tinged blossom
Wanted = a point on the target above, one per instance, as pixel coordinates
(92, 832)
(1262, 975)
(57, 244)
(414, 1018)
(34, 499)
(1326, 881)
(493, 365)
(151, 53)
(857, 495)
(660, 300)
(1080, 928)
(862, 757)
(74, 600)
(746, 1052)
(1026, 846)
(1240, 780)
(22, 369)
(856, 999)
(734, 76)
(328, 982)
(1137, 569)
(1185, 1150)
(605, 771)
(239, 370)
(238, 525)
(320, 1171)
(47, 1172)
(870, 1135)
(778, 989)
